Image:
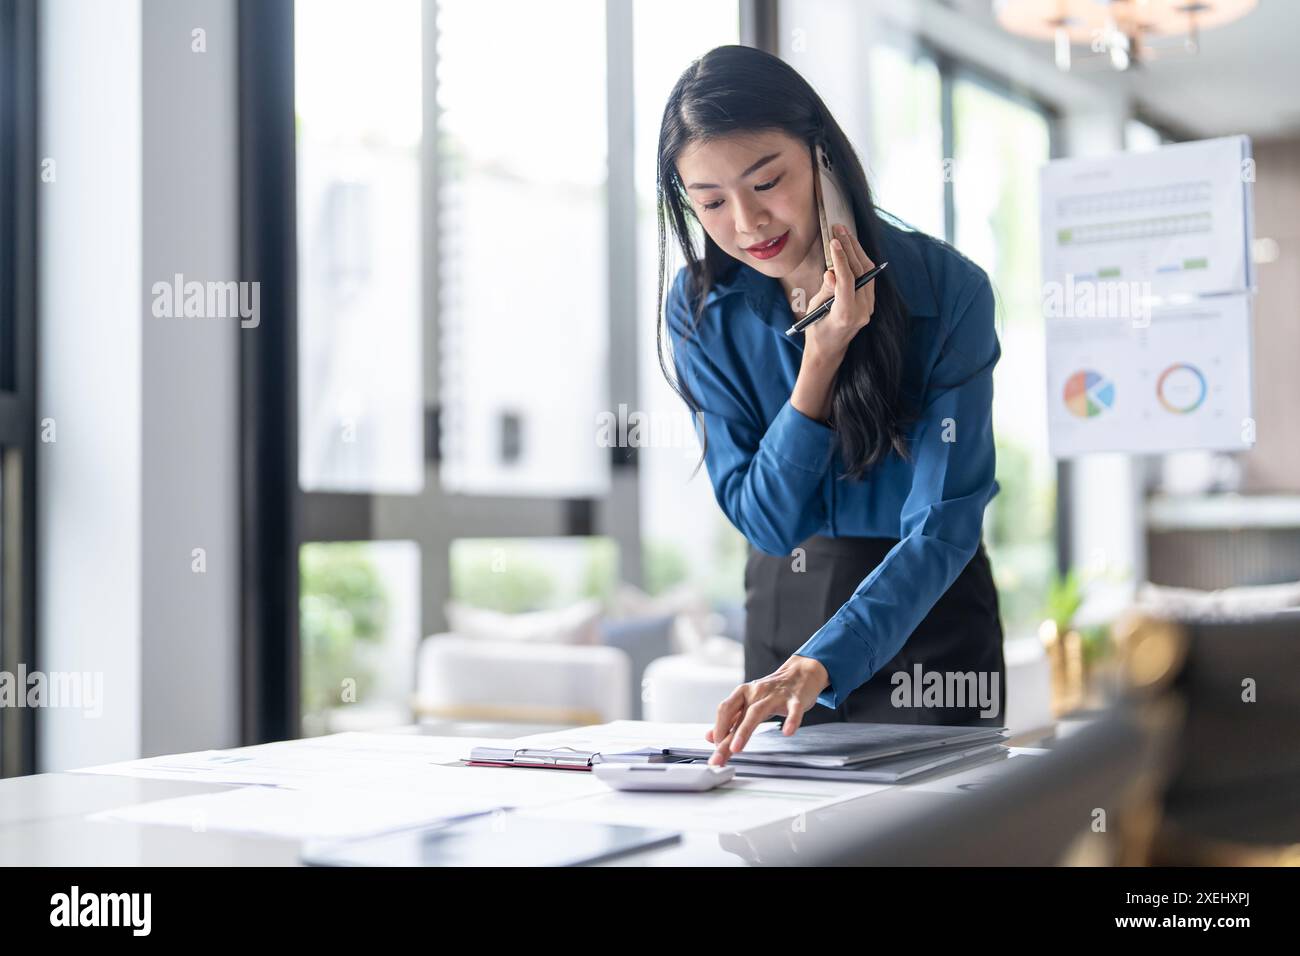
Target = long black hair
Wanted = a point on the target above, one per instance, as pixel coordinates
(738, 89)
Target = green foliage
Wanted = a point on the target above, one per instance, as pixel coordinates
(1096, 642)
(732, 552)
(1064, 596)
(514, 576)
(601, 575)
(342, 606)
(498, 577)
(665, 566)
(1015, 516)
(1018, 529)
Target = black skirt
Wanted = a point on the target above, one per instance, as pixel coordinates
(960, 638)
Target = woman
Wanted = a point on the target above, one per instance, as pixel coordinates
(857, 456)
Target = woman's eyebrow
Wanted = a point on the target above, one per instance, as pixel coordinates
(752, 169)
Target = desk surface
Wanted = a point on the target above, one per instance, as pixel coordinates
(43, 823)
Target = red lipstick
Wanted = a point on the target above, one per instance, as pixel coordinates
(770, 248)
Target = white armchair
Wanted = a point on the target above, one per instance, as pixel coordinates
(464, 678)
(688, 687)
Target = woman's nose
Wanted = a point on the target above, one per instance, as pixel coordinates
(751, 219)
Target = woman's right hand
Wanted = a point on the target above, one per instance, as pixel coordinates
(852, 309)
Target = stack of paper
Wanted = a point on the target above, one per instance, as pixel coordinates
(884, 753)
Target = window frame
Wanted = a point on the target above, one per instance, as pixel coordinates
(19, 194)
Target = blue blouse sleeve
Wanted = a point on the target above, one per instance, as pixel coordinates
(766, 480)
(943, 515)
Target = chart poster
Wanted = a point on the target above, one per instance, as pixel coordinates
(1181, 381)
(1147, 299)
(1176, 218)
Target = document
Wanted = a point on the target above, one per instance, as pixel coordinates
(339, 758)
(1176, 218)
(1147, 299)
(297, 814)
(844, 745)
(339, 804)
(1180, 379)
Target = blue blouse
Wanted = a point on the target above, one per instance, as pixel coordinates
(776, 473)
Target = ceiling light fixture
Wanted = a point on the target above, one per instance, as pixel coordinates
(1126, 33)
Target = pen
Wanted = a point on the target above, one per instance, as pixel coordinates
(824, 309)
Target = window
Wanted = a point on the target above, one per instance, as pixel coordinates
(522, 242)
(951, 153)
(685, 536)
(361, 398)
(905, 157)
(464, 277)
(360, 366)
(1000, 144)
(453, 316)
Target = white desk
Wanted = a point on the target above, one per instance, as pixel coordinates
(43, 823)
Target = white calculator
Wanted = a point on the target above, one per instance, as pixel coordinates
(663, 776)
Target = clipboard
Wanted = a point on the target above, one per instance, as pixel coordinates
(561, 758)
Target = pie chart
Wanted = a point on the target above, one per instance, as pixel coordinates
(1088, 393)
(1181, 388)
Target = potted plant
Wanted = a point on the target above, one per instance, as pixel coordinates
(1064, 644)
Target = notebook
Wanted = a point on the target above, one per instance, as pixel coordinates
(837, 746)
(900, 769)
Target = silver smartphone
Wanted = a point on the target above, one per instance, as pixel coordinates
(833, 205)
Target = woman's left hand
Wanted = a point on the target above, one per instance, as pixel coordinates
(790, 690)
(852, 309)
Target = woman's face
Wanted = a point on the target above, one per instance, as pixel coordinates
(749, 189)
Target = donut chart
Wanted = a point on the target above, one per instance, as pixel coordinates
(1088, 393)
(1181, 388)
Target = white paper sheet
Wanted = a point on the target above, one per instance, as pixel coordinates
(296, 814)
(345, 796)
(358, 758)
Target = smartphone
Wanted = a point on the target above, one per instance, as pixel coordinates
(833, 205)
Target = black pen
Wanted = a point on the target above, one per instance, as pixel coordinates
(824, 309)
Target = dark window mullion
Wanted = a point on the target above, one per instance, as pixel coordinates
(19, 185)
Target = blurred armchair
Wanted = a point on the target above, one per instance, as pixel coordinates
(468, 678)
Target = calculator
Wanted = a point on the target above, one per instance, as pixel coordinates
(663, 776)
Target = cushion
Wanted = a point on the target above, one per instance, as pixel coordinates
(576, 624)
(1233, 602)
(644, 639)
